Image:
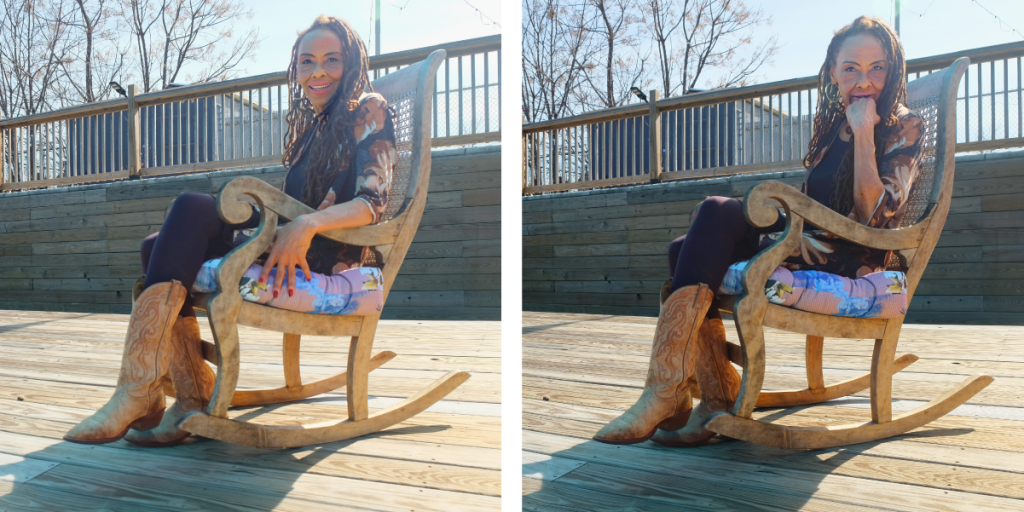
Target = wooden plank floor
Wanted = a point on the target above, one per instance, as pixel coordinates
(581, 371)
(57, 368)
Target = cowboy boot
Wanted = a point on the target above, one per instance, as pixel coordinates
(165, 380)
(666, 394)
(719, 384)
(138, 400)
(193, 386)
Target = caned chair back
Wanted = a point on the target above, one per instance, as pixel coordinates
(933, 98)
(409, 93)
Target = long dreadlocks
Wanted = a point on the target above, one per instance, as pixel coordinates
(333, 145)
(831, 115)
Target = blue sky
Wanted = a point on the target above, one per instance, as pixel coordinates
(420, 23)
(805, 27)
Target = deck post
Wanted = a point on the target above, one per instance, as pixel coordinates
(134, 136)
(655, 123)
(554, 157)
(3, 154)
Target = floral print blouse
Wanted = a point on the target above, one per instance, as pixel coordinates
(367, 180)
(899, 170)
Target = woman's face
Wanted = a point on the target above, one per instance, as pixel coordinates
(320, 66)
(860, 68)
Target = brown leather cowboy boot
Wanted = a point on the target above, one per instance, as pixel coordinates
(165, 379)
(193, 386)
(666, 395)
(138, 400)
(719, 384)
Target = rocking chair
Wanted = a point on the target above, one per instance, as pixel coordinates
(408, 91)
(933, 97)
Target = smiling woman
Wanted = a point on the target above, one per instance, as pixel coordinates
(862, 163)
(339, 153)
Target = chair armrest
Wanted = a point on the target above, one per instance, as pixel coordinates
(794, 202)
(233, 204)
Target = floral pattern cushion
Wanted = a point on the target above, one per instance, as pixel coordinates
(877, 295)
(355, 291)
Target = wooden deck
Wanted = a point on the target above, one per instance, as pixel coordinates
(57, 368)
(581, 371)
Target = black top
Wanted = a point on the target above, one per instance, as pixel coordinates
(822, 180)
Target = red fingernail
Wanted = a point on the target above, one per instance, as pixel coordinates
(261, 280)
(275, 294)
(291, 292)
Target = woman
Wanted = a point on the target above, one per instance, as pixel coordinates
(862, 162)
(339, 152)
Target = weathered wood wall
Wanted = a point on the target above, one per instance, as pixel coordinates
(77, 248)
(604, 251)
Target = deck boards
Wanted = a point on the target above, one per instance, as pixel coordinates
(580, 371)
(58, 368)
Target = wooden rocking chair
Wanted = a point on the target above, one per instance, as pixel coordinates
(933, 97)
(408, 91)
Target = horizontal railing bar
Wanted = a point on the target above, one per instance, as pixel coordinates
(977, 55)
(701, 99)
(455, 49)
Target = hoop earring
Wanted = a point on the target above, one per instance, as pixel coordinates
(831, 93)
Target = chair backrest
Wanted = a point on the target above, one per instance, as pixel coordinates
(933, 97)
(409, 91)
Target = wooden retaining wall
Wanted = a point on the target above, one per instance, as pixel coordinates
(604, 251)
(77, 248)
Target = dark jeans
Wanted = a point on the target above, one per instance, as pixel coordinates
(192, 233)
(718, 237)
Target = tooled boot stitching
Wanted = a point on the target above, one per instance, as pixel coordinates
(666, 378)
(143, 360)
(193, 386)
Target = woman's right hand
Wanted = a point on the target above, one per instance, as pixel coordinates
(862, 116)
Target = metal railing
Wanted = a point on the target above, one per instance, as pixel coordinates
(229, 124)
(747, 129)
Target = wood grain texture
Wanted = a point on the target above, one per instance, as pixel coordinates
(446, 458)
(69, 246)
(582, 370)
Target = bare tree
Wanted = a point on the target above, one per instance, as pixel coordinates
(35, 45)
(97, 56)
(614, 27)
(691, 36)
(556, 52)
(172, 35)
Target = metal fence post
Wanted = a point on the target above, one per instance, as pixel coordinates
(134, 136)
(655, 123)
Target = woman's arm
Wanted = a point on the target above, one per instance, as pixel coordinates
(293, 239)
(867, 185)
(375, 157)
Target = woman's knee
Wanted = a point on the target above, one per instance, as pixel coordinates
(718, 209)
(189, 203)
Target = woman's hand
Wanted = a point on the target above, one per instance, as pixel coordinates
(289, 252)
(867, 185)
(862, 116)
(293, 239)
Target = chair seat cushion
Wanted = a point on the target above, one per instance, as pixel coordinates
(356, 291)
(877, 295)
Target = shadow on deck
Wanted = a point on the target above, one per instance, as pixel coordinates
(59, 367)
(581, 371)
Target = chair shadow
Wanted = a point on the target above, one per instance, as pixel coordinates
(118, 476)
(725, 475)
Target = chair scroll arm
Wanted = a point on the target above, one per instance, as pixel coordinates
(234, 209)
(289, 208)
(827, 219)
